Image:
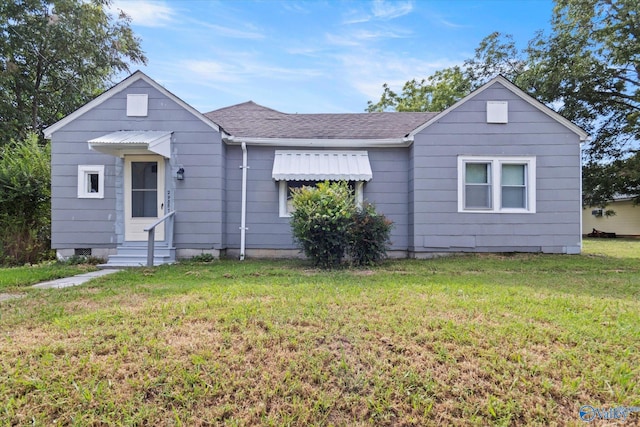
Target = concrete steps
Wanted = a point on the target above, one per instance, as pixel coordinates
(134, 254)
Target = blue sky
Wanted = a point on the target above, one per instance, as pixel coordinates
(314, 56)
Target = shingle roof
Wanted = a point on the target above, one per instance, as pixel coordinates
(252, 120)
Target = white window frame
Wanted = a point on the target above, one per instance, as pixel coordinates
(84, 172)
(496, 183)
(282, 197)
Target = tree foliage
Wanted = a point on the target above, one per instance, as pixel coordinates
(55, 55)
(25, 178)
(589, 66)
(435, 93)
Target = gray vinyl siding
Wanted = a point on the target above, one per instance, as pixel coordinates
(267, 230)
(98, 223)
(438, 226)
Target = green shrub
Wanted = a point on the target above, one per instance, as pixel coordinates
(25, 196)
(202, 258)
(327, 225)
(321, 221)
(82, 260)
(368, 236)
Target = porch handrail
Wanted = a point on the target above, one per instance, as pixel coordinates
(151, 229)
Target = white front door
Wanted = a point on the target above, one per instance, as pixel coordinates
(143, 196)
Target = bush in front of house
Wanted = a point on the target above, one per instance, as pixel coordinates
(369, 236)
(327, 225)
(320, 221)
(25, 194)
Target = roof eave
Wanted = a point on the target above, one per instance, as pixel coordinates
(320, 142)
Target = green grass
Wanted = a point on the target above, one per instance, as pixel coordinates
(468, 340)
(17, 278)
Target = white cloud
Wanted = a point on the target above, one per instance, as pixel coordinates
(382, 11)
(368, 71)
(387, 10)
(359, 37)
(375, 35)
(212, 71)
(146, 13)
(242, 68)
(236, 33)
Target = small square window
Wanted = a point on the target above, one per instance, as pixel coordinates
(91, 181)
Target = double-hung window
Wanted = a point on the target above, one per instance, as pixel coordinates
(496, 184)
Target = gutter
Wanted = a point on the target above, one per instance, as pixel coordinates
(313, 142)
(243, 212)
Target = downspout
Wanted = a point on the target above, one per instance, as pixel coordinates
(243, 214)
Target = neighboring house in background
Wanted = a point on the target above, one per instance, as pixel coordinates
(496, 172)
(625, 222)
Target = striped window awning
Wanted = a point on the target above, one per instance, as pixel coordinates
(118, 143)
(321, 165)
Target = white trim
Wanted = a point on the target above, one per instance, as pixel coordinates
(313, 142)
(138, 75)
(282, 200)
(517, 91)
(496, 163)
(84, 171)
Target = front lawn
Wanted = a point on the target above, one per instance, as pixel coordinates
(469, 340)
(14, 279)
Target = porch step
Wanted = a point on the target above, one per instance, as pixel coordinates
(134, 254)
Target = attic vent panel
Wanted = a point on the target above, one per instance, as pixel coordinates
(137, 105)
(497, 112)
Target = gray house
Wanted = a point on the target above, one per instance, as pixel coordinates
(496, 172)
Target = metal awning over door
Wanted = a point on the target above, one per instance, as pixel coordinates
(117, 143)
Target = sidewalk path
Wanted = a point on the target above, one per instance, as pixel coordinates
(62, 283)
(73, 281)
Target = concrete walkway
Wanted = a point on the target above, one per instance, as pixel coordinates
(74, 280)
(65, 282)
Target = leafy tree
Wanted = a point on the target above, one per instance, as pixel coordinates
(589, 66)
(496, 54)
(25, 194)
(55, 55)
(435, 93)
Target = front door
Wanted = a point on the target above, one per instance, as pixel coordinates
(144, 196)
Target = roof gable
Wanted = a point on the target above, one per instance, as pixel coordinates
(518, 92)
(124, 84)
